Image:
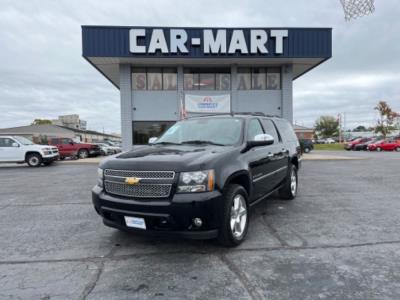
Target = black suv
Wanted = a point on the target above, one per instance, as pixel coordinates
(200, 178)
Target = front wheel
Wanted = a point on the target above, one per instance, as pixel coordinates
(34, 160)
(307, 150)
(397, 149)
(289, 188)
(235, 221)
(379, 149)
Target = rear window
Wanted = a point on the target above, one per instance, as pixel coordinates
(286, 130)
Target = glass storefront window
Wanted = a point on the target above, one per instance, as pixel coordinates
(143, 130)
(258, 79)
(207, 81)
(154, 79)
(244, 78)
(223, 81)
(190, 81)
(273, 78)
(170, 81)
(139, 79)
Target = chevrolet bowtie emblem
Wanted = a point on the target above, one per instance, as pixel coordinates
(132, 180)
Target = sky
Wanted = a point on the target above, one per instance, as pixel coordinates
(43, 74)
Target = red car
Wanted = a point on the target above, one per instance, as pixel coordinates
(68, 148)
(386, 145)
(350, 145)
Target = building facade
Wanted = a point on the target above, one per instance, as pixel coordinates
(71, 121)
(163, 73)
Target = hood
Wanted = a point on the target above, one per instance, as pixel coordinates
(160, 157)
(41, 147)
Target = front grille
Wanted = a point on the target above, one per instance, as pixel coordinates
(140, 174)
(141, 190)
(152, 184)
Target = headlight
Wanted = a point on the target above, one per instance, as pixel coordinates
(198, 181)
(100, 177)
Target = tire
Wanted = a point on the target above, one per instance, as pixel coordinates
(34, 160)
(397, 149)
(379, 149)
(307, 150)
(233, 229)
(83, 153)
(289, 188)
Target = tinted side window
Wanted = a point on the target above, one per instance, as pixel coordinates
(66, 141)
(254, 129)
(270, 129)
(286, 130)
(6, 142)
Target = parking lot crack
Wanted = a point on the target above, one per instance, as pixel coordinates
(241, 277)
(92, 284)
(274, 232)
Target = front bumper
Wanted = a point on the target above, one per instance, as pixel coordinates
(94, 152)
(50, 158)
(172, 217)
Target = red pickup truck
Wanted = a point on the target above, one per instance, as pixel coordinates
(68, 148)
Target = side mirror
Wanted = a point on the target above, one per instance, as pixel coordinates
(15, 144)
(261, 140)
(152, 140)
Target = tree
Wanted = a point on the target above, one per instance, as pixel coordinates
(360, 128)
(386, 119)
(41, 122)
(327, 126)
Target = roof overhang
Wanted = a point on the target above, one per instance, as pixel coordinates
(106, 47)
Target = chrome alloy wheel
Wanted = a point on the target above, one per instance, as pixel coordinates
(293, 182)
(238, 216)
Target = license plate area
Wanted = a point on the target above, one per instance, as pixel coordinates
(135, 222)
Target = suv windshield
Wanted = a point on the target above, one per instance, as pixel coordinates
(218, 131)
(23, 141)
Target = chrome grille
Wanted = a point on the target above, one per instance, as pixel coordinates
(152, 184)
(140, 191)
(140, 174)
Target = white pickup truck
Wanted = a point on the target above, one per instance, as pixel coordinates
(18, 149)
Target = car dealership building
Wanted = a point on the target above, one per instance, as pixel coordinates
(164, 74)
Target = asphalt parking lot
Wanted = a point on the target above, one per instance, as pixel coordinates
(339, 239)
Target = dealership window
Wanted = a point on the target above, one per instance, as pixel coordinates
(139, 79)
(144, 130)
(259, 78)
(206, 79)
(154, 79)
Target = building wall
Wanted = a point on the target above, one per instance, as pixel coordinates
(165, 105)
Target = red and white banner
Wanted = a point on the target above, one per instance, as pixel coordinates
(208, 104)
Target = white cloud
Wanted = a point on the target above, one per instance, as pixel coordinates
(43, 73)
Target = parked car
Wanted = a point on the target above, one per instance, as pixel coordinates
(200, 178)
(105, 149)
(350, 145)
(18, 149)
(330, 141)
(385, 145)
(68, 148)
(306, 145)
(364, 146)
(114, 146)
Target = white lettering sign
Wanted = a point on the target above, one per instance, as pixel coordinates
(208, 104)
(211, 42)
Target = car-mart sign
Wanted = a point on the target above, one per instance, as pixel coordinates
(209, 41)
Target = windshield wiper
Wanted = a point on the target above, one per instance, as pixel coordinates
(201, 142)
(166, 143)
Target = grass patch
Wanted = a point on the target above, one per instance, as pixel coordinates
(332, 147)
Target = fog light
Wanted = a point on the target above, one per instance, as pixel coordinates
(197, 222)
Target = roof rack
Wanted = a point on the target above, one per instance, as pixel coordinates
(261, 114)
